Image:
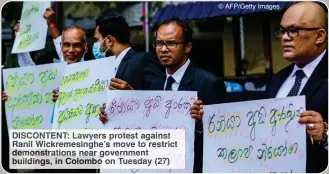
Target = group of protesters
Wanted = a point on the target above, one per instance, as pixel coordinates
(303, 34)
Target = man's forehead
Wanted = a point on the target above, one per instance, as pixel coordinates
(294, 19)
(301, 14)
(74, 32)
(73, 38)
(169, 31)
(72, 41)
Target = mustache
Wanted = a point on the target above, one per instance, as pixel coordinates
(165, 56)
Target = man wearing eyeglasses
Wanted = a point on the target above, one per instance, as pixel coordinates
(303, 33)
(173, 44)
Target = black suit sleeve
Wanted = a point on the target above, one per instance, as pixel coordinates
(220, 91)
(213, 92)
(152, 69)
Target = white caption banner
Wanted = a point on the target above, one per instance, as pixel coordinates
(90, 149)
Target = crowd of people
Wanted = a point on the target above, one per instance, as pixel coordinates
(303, 34)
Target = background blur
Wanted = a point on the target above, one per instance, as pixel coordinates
(238, 45)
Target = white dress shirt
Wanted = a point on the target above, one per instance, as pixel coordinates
(178, 75)
(25, 59)
(290, 81)
(119, 58)
(58, 48)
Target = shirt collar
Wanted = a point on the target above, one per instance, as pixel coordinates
(178, 75)
(122, 54)
(309, 68)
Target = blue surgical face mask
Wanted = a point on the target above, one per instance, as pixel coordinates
(97, 51)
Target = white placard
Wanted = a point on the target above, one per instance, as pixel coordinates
(30, 91)
(255, 136)
(153, 110)
(33, 28)
(82, 92)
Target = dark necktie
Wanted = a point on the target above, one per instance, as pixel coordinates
(170, 81)
(299, 76)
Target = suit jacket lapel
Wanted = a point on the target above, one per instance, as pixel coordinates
(158, 84)
(187, 78)
(278, 81)
(124, 63)
(319, 75)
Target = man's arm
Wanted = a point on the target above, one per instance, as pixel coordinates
(212, 92)
(50, 17)
(220, 90)
(24, 59)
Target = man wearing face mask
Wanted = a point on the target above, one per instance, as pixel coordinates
(98, 38)
(134, 70)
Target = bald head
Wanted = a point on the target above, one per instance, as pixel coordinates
(307, 14)
(74, 45)
(307, 32)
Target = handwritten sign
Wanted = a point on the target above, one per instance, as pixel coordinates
(153, 110)
(30, 91)
(33, 28)
(82, 92)
(255, 136)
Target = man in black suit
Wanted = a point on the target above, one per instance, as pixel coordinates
(134, 70)
(173, 44)
(303, 32)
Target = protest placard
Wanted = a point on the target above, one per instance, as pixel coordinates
(81, 94)
(153, 110)
(33, 28)
(30, 91)
(255, 136)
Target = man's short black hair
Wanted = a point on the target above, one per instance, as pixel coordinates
(106, 15)
(112, 23)
(187, 31)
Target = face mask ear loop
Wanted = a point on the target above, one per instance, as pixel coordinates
(107, 49)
